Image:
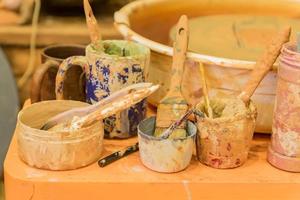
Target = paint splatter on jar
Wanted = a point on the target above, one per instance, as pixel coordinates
(114, 65)
(284, 151)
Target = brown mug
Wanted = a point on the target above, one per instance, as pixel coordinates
(43, 81)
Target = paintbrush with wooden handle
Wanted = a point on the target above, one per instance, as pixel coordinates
(117, 105)
(173, 105)
(118, 100)
(118, 155)
(92, 25)
(264, 64)
(261, 68)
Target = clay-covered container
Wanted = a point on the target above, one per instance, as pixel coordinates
(109, 67)
(284, 151)
(56, 150)
(165, 155)
(224, 142)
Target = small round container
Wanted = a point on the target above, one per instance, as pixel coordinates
(56, 150)
(165, 155)
(224, 142)
(284, 151)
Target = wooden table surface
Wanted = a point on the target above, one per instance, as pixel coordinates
(55, 29)
(128, 178)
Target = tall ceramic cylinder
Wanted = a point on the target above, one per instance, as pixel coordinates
(284, 151)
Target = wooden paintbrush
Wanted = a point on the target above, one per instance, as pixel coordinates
(92, 25)
(173, 105)
(264, 64)
(261, 68)
(118, 155)
(117, 101)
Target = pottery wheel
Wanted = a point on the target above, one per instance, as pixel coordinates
(235, 36)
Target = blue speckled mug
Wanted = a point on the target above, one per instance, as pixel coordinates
(109, 70)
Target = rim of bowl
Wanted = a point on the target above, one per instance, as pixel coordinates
(122, 23)
(146, 50)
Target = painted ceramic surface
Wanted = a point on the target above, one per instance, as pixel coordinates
(106, 74)
(286, 126)
(165, 155)
(225, 142)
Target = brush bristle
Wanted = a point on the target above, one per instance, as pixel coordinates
(168, 113)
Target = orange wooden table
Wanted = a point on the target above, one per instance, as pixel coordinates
(129, 179)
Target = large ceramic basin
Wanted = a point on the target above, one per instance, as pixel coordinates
(149, 23)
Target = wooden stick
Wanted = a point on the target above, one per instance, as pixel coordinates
(116, 105)
(205, 91)
(265, 63)
(179, 54)
(61, 117)
(91, 22)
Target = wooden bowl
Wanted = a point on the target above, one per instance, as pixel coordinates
(149, 23)
(56, 150)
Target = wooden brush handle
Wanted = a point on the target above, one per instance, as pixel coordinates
(91, 21)
(265, 63)
(179, 54)
(83, 111)
(117, 105)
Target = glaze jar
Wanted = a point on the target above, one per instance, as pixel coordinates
(224, 142)
(165, 155)
(57, 149)
(284, 151)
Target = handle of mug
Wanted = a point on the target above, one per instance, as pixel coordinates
(62, 71)
(38, 76)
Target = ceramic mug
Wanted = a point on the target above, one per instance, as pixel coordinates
(117, 64)
(43, 81)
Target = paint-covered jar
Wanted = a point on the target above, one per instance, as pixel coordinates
(284, 151)
(114, 65)
(165, 155)
(224, 140)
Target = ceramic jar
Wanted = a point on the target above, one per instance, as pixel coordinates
(165, 155)
(224, 142)
(284, 151)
